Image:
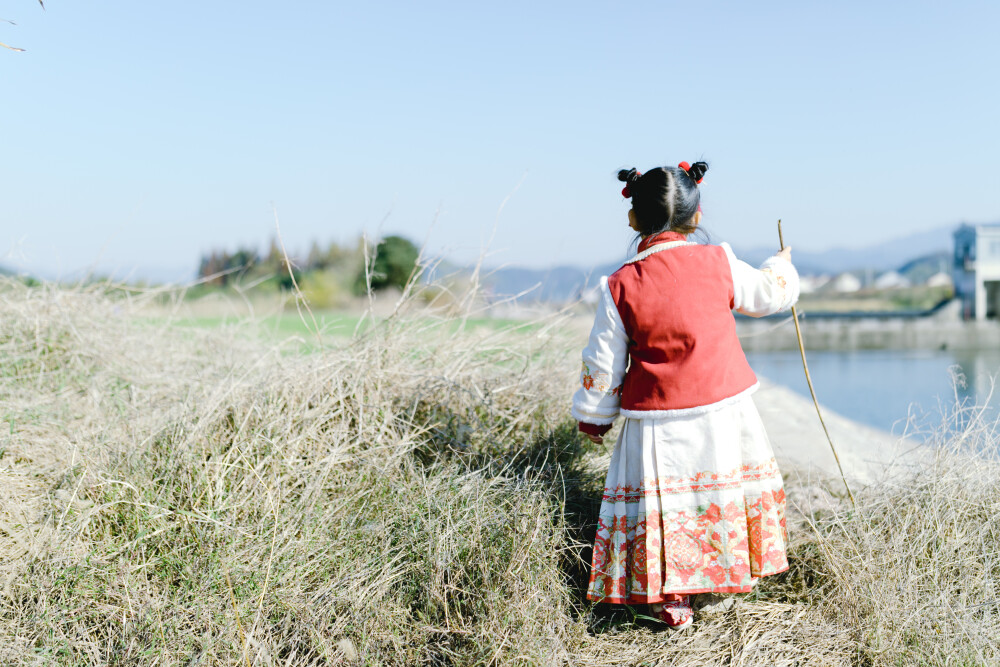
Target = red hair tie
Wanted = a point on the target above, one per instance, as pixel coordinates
(625, 191)
(686, 167)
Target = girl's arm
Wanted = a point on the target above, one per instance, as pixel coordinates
(771, 288)
(597, 401)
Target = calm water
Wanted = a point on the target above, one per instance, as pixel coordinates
(885, 388)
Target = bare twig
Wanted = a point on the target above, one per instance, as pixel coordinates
(805, 367)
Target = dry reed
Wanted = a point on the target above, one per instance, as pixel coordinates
(416, 495)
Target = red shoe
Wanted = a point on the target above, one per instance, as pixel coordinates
(675, 611)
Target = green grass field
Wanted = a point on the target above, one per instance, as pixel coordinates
(331, 327)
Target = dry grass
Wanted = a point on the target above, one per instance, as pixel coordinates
(916, 567)
(418, 496)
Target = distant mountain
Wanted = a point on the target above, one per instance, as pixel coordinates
(558, 284)
(913, 256)
(918, 270)
(884, 256)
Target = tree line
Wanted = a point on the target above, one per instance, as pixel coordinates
(393, 263)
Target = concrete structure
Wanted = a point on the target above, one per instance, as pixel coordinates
(938, 329)
(976, 270)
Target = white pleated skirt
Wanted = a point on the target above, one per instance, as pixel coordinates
(692, 504)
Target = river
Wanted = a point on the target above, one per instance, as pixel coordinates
(900, 391)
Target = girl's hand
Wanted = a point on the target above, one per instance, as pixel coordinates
(596, 439)
(786, 253)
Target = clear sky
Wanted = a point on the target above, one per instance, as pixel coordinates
(137, 135)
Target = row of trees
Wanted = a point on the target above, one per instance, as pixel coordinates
(340, 268)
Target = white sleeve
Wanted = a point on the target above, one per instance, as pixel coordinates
(764, 291)
(605, 358)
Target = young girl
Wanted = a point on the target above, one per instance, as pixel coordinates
(693, 501)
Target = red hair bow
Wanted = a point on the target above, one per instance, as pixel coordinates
(686, 167)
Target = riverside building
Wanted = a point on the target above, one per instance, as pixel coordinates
(976, 270)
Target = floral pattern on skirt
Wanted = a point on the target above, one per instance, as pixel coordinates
(691, 505)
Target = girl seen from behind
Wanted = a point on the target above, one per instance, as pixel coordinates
(693, 501)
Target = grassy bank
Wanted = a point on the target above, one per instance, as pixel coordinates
(179, 495)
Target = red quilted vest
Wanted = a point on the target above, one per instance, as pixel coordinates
(676, 305)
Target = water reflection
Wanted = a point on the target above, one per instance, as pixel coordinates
(910, 391)
(980, 370)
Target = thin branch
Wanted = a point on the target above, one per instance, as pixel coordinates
(805, 367)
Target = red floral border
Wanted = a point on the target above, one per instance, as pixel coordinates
(703, 481)
(710, 548)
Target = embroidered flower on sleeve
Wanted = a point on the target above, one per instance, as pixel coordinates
(599, 381)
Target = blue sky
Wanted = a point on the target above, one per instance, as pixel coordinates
(136, 136)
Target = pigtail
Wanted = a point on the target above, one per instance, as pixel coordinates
(697, 171)
(694, 171)
(629, 177)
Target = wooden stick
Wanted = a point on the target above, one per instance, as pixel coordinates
(805, 367)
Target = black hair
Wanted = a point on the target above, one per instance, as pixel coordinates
(664, 198)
